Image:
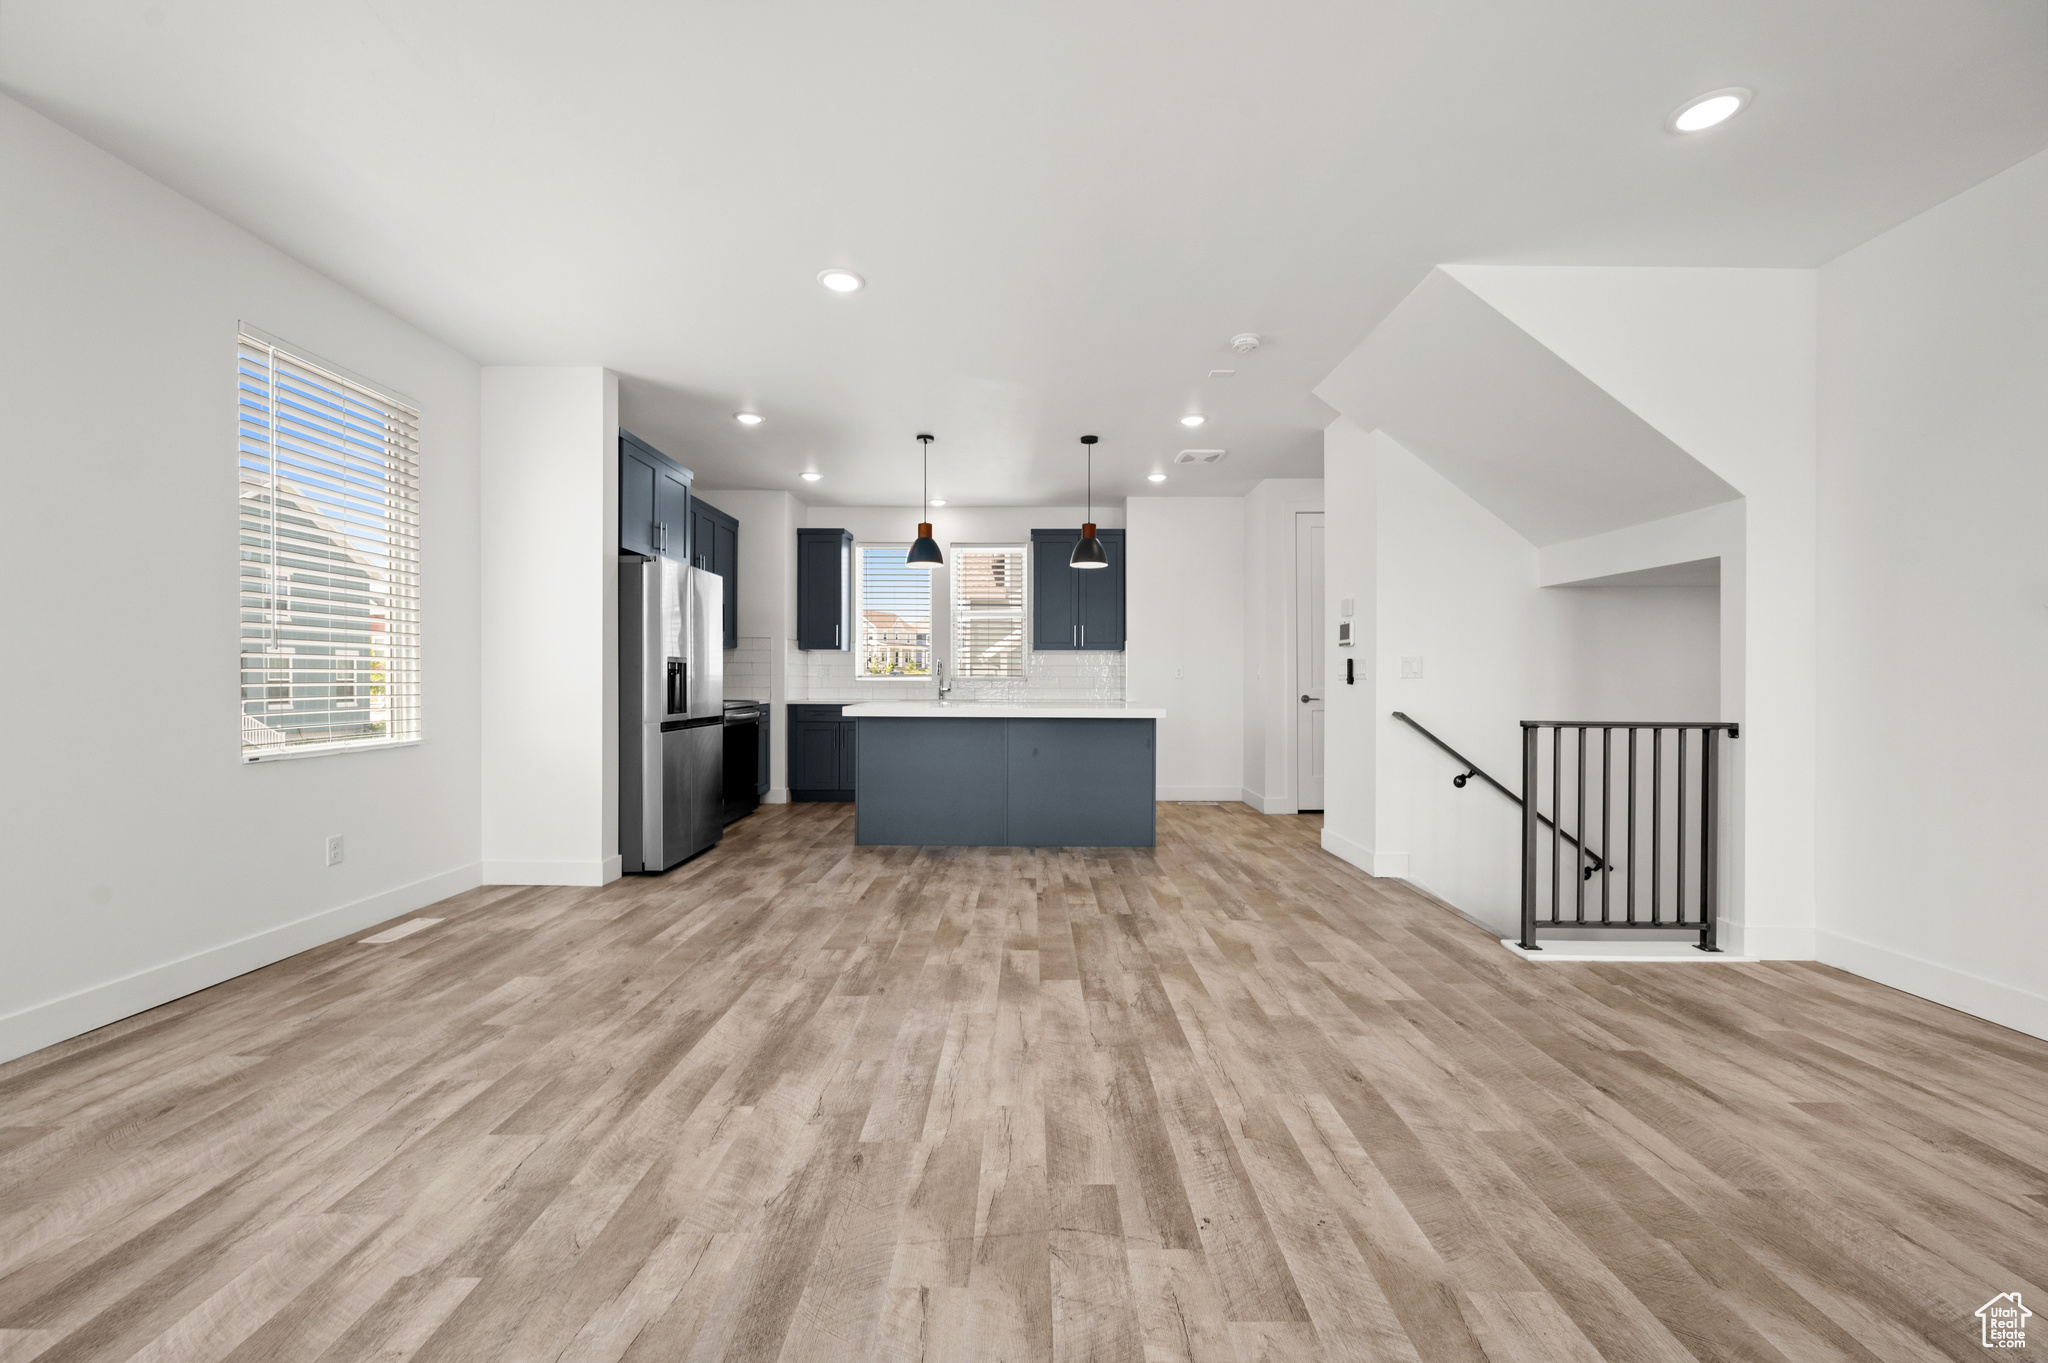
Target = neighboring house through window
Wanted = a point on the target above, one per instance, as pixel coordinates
(895, 614)
(329, 558)
(988, 610)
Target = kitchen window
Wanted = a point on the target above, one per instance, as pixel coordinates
(988, 611)
(895, 614)
(329, 473)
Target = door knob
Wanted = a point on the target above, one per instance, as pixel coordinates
(1304, 700)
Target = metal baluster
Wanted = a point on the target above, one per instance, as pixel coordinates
(1710, 876)
(1656, 825)
(1579, 847)
(1529, 759)
(1631, 824)
(1556, 821)
(1678, 841)
(1606, 822)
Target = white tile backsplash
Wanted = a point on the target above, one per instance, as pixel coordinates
(827, 676)
(748, 670)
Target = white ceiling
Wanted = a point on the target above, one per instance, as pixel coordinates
(1064, 210)
(1523, 433)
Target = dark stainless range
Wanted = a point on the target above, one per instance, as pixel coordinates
(746, 756)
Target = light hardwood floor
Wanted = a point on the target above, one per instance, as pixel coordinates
(1229, 1100)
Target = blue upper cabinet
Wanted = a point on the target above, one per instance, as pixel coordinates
(654, 500)
(715, 547)
(824, 589)
(1076, 609)
(637, 473)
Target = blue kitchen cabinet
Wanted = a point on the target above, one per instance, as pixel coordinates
(1076, 609)
(715, 547)
(824, 589)
(823, 753)
(654, 500)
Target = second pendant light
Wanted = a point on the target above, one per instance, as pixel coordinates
(1088, 552)
(925, 553)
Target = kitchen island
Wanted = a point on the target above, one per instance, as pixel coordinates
(982, 774)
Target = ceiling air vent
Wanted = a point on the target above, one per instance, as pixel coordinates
(1197, 456)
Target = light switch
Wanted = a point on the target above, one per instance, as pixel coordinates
(1411, 668)
(1344, 606)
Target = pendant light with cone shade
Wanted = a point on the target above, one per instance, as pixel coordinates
(1088, 553)
(925, 553)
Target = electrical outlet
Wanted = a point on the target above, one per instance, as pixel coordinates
(1411, 668)
(334, 850)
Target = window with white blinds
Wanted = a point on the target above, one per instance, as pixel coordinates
(330, 559)
(895, 614)
(988, 611)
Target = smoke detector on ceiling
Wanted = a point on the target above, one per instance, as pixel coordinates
(1197, 456)
(1245, 342)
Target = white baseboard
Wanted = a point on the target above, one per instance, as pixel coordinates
(1172, 793)
(552, 872)
(1267, 804)
(1363, 857)
(777, 795)
(45, 1024)
(2008, 1005)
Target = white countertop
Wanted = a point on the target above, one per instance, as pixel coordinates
(978, 709)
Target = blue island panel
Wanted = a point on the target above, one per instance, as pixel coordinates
(1082, 783)
(931, 783)
(961, 782)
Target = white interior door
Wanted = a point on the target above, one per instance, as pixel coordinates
(1309, 643)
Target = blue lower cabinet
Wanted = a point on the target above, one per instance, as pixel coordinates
(821, 754)
(932, 782)
(1005, 782)
(1082, 783)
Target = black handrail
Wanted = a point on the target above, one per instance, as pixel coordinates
(1473, 769)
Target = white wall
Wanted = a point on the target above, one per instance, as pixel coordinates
(1351, 569)
(1272, 709)
(1184, 646)
(1934, 602)
(140, 859)
(829, 675)
(1722, 362)
(1457, 588)
(550, 626)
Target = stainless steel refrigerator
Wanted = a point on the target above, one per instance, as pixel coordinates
(671, 712)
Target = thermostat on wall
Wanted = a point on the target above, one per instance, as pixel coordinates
(1343, 634)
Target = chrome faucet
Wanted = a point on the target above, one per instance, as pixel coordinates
(939, 671)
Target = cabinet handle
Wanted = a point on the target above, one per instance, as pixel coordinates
(661, 536)
(1075, 638)
(1084, 636)
(835, 635)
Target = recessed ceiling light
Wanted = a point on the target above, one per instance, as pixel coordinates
(812, 477)
(747, 418)
(1714, 107)
(1155, 477)
(840, 281)
(1193, 419)
(938, 501)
